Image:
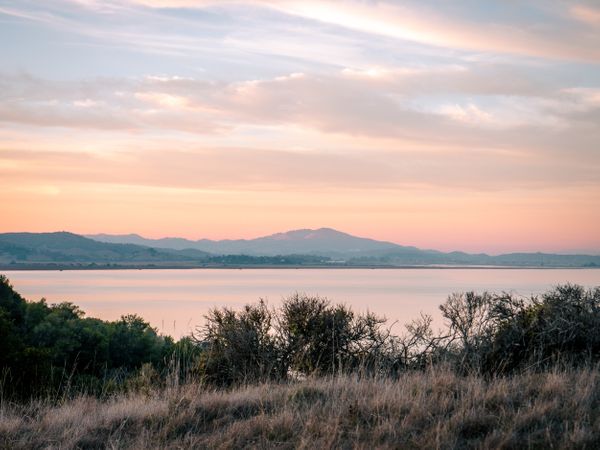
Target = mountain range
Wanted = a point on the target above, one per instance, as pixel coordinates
(323, 242)
(306, 247)
(345, 248)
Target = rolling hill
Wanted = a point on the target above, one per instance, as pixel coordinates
(68, 250)
(63, 247)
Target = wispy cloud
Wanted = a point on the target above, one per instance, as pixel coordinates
(424, 22)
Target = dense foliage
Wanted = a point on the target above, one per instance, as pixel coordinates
(47, 348)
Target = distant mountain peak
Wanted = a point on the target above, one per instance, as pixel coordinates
(309, 233)
(128, 235)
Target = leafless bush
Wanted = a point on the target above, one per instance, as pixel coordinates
(318, 337)
(239, 346)
(501, 333)
(560, 327)
(484, 333)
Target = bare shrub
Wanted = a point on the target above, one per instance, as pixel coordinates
(561, 327)
(484, 333)
(239, 346)
(318, 337)
(502, 333)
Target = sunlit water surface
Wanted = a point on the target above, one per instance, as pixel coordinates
(175, 301)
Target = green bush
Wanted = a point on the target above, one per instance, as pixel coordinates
(51, 349)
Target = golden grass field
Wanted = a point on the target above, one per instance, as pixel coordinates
(432, 409)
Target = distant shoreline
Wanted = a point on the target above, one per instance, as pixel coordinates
(62, 268)
(336, 250)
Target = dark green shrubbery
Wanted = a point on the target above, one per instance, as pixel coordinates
(47, 349)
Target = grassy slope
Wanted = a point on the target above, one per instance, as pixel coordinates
(420, 410)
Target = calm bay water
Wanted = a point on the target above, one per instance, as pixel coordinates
(174, 301)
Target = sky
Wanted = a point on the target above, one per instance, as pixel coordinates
(468, 124)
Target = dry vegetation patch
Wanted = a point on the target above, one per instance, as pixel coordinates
(434, 409)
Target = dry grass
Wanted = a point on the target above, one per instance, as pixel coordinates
(437, 409)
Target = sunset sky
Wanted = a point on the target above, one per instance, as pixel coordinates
(465, 125)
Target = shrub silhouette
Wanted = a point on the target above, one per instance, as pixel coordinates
(318, 337)
(560, 327)
(486, 333)
(503, 333)
(307, 335)
(239, 346)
